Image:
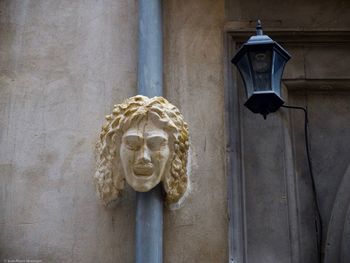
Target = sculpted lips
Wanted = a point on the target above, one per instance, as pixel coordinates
(143, 169)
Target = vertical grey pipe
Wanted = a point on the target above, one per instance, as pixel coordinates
(150, 56)
(149, 205)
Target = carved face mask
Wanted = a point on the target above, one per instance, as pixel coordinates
(144, 142)
(144, 154)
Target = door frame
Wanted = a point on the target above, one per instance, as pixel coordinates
(234, 35)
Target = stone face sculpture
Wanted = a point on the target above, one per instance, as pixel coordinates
(145, 142)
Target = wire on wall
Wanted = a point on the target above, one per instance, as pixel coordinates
(318, 219)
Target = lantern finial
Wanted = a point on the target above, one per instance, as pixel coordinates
(259, 30)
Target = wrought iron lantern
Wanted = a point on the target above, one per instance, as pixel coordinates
(261, 62)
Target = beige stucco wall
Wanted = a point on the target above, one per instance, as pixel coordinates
(63, 64)
(194, 82)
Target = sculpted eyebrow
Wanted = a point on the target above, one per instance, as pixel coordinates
(132, 137)
(157, 138)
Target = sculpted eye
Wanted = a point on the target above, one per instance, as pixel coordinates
(132, 146)
(156, 143)
(132, 142)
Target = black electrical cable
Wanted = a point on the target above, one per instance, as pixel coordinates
(318, 219)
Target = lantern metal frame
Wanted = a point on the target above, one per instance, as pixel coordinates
(262, 98)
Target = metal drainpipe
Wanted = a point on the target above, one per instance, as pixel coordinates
(149, 205)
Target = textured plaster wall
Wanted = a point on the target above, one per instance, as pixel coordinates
(63, 64)
(194, 82)
(297, 14)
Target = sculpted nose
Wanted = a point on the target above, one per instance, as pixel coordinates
(144, 155)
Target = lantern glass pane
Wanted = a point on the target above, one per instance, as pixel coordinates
(261, 66)
(244, 69)
(278, 67)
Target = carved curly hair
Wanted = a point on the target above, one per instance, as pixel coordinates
(109, 177)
